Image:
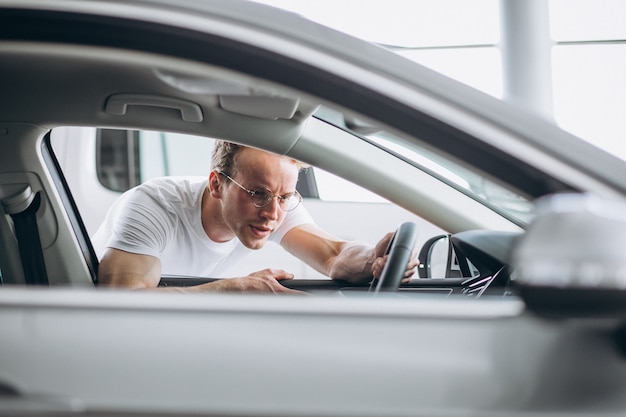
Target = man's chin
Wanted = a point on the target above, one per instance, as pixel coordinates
(255, 244)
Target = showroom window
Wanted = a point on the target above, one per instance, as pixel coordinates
(589, 70)
(117, 159)
(462, 40)
(126, 158)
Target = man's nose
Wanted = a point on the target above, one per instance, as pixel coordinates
(272, 210)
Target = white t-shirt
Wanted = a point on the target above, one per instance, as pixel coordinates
(162, 218)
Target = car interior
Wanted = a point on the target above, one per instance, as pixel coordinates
(50, 85)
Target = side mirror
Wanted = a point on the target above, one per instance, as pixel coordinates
(572, 259)
(437, 258)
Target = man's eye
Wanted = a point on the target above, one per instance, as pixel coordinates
(261, 195)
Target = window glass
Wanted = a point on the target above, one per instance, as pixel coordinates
(117, 160)
(478, 67)
(164, 154)
(333, 188)
(128, 158)
(455, 37)
(590, 93)
(470, 182)
(402, 23)
(460, 38)
(587, 20)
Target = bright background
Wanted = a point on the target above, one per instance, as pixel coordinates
(461, 38)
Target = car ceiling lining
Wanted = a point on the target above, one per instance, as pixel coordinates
(179, 42)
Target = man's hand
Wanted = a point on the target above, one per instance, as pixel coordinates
(381, 260)
(265, 281)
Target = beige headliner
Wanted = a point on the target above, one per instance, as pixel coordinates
(66, 85)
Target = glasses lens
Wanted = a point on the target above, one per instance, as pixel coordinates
(261, 198)
(290, 202)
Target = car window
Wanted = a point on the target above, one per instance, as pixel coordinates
(333, 188)
(117, 161)
(126, 158)
(100, 164)
(471, 182)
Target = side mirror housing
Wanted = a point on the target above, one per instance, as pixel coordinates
(572, 259)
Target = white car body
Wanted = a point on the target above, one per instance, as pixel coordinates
(549, 346)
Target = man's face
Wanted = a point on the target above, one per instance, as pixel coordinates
(257, 170)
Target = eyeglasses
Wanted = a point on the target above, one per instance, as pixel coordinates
(261, 198)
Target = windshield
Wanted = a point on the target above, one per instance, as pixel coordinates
(472, 183)
(469, 181)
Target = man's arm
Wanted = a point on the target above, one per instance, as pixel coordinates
(131, 270)
(333, 257)
(350, 261)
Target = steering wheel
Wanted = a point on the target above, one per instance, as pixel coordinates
(399, 250)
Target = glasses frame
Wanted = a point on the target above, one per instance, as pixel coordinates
(253, 193)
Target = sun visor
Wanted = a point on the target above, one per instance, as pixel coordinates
(243, 98)
(265, 107)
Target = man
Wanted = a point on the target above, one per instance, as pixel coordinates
(180, 227)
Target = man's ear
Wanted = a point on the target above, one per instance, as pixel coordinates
(215, 184)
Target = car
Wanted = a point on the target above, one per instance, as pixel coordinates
(517, 307)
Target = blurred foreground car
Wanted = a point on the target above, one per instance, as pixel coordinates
(514, 312)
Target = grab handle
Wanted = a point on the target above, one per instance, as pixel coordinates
(117, 105)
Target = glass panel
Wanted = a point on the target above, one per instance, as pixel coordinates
(590, 93)
(116, 159)
(405, 23)
(333, 188)
(464, 179)
(460, 177)
(584, 20)
(477, 67)
(175, 154)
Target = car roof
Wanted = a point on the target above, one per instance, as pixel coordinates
(87, 42)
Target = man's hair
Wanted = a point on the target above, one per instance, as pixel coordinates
(224, 153)
(223, 156)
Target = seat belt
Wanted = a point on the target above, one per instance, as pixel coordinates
(22, 208)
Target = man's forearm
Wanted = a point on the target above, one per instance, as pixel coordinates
(354, 263)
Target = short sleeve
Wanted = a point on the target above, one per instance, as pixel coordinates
(142, 225)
